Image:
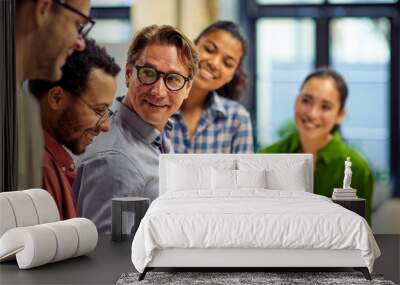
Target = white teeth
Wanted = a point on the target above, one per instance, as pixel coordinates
(155, 105)
(207, 74)
(309, 124)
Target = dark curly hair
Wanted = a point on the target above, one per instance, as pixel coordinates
(236, 88)
(75, 72)
(325, 72)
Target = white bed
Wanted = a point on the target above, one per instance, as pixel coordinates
(232, 211)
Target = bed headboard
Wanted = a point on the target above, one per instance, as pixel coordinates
(234, 161)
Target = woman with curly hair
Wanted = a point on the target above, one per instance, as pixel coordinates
(210, 120)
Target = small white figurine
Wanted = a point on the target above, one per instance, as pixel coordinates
(347, 174)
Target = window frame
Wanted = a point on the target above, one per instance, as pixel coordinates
(8, 98)
(117, 12)
(323, 13)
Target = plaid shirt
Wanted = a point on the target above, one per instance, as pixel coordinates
(162, 141)
(224, 127)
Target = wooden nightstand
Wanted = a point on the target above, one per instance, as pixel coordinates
(357, 205)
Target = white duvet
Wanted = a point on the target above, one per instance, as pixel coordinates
(253, 218)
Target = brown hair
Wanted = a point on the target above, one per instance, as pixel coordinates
(165, 35)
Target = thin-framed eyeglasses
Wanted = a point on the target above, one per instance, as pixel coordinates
(103, 116)
(84, 28)
(148, 75)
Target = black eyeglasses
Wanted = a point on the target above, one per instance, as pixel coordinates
(103, 116)
(84, 28)
(173, 81)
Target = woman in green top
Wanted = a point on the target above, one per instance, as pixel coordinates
(319, 109)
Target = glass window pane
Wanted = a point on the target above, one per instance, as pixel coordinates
(111, 3)
(361, 53)
(112, 31)
(115, 36)
(361, 1)
(284, 2)
(285, 55)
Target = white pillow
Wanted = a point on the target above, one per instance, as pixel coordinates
(223, 179)
(281, 174)
(251, 178)
(188, 177)
(292, 179)
(226, 179)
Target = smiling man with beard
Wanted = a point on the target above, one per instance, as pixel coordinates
(124, 162)
(74, 110)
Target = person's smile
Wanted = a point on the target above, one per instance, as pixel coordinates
(309, 124)
(155, 105)
(207, 73)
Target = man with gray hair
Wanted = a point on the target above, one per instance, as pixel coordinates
(124, 162)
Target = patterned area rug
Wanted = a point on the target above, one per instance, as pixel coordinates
(229, 278)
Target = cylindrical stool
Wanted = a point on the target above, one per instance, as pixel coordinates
(137, 205)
